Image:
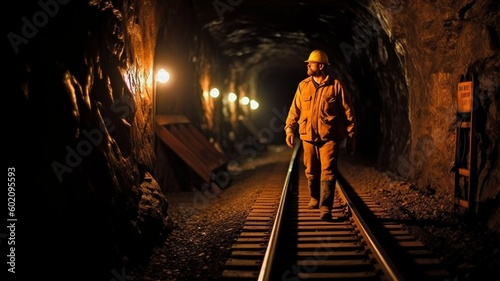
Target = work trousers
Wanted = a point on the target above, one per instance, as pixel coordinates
(320, 160)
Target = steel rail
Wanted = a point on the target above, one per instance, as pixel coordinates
(267, 263)
(357, 252)
(387, 266)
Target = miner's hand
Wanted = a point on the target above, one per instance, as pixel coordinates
(290, 139)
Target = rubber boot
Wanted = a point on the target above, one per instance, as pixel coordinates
(314, 187)
(327, 192)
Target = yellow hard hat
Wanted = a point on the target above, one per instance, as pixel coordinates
(318, 56)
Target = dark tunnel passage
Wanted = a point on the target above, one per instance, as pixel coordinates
(268, 62)
(82, 101)
(276, 87)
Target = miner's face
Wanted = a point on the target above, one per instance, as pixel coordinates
(314, 68)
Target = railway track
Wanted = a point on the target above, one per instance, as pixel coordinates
(284, 240)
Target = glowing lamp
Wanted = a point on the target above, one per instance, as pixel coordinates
(232, 97)
(254, 104)
(163, 76)
(214, 92)
(245, 101)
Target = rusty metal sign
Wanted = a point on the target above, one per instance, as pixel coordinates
(464, 98)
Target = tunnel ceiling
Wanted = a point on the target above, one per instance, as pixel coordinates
(265, 34)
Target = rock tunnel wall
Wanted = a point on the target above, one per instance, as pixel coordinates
(406, 59)
(81, 90)
(436, 43)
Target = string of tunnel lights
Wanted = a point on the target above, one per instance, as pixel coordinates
(232, 97)
(253, 103)
(163, 77)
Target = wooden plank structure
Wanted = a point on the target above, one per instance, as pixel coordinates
(177, 132)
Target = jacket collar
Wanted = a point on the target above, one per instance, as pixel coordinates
(326, 82)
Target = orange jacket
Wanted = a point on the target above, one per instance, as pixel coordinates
(321, 114)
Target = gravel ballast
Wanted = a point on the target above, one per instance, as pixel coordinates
(205, 223)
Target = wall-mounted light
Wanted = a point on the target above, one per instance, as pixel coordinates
(214, 93)
(231, 97)
(162, 76)
(245, 100)
(254, 104)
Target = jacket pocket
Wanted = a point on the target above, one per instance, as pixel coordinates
(303, 126)
(306, 102)
(330, 106)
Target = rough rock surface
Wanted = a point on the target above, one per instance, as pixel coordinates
(206, 223)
